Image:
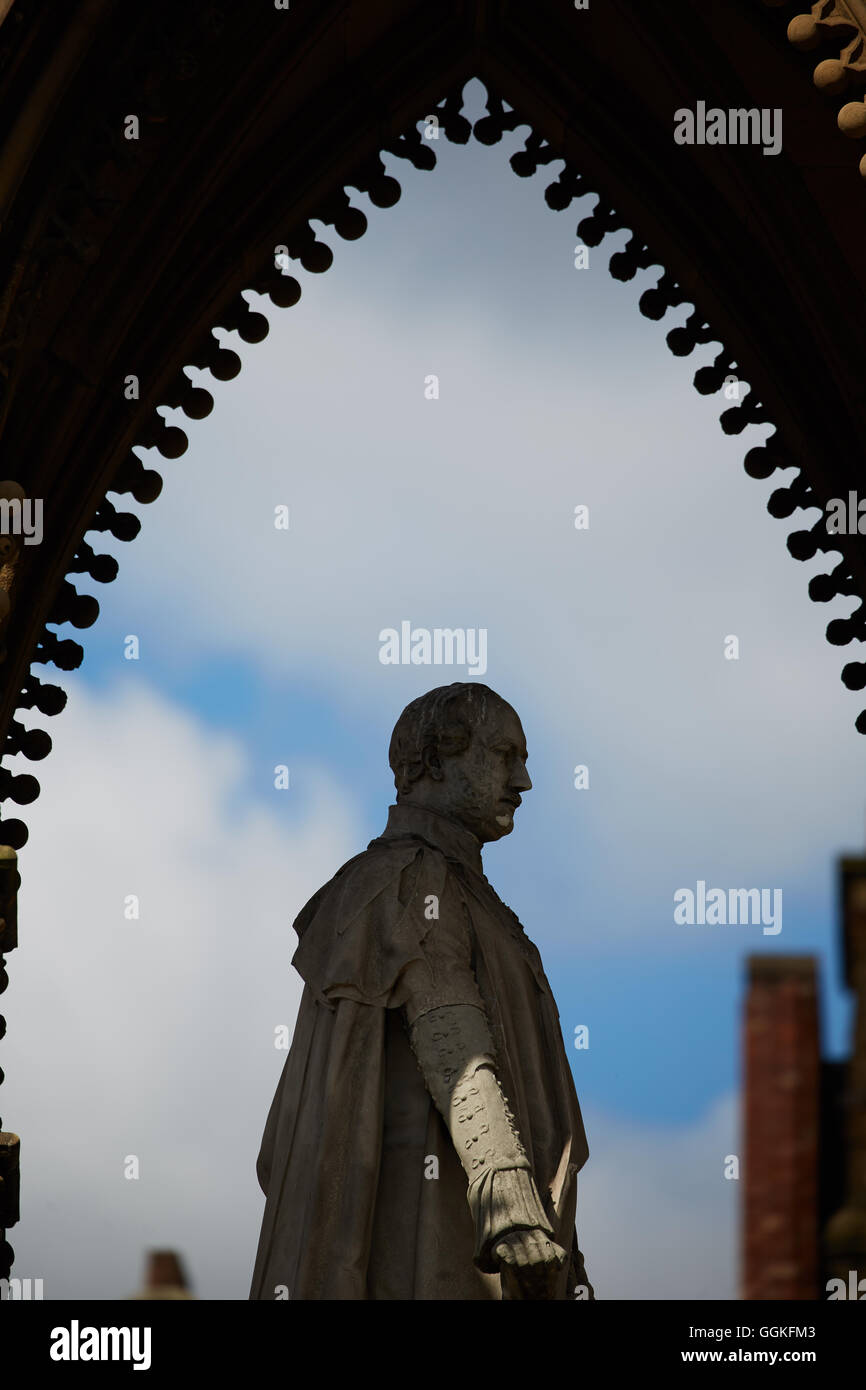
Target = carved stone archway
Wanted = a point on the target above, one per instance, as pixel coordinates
(120, 256)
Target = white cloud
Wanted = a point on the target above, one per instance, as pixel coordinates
(657, 1219)
(152, 1037)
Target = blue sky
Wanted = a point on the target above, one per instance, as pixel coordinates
(260, 647)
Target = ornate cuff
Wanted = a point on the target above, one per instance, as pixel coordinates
(455, 1053)
(503, 1200)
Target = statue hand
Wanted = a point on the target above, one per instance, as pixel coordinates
(529, 1262)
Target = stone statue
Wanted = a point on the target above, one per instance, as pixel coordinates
(425, 1136)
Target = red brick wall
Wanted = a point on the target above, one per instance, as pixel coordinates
(781, 1099)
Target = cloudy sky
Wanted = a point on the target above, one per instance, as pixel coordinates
(259, 647)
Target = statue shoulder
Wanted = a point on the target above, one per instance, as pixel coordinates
(366, 925)
(377, 875)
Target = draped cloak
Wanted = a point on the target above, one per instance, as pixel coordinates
(365, 1193)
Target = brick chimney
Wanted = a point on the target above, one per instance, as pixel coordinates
(781, 1129)
(165, 1277)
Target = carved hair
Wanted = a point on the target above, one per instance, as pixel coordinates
(439, 723)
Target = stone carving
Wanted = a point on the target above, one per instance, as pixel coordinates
(843, 23)
(425, 1136)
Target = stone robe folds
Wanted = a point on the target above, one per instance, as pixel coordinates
(349, 1158)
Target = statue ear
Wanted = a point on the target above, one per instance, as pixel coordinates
(432, 764)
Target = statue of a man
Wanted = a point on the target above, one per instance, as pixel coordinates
(425, 1136)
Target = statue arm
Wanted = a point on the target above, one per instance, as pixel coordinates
(450, 1035)
(454, 1049)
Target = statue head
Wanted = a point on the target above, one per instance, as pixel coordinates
(461, 750)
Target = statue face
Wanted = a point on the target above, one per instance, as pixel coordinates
(481, 787)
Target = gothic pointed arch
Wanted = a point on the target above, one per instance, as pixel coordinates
(156, 159)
